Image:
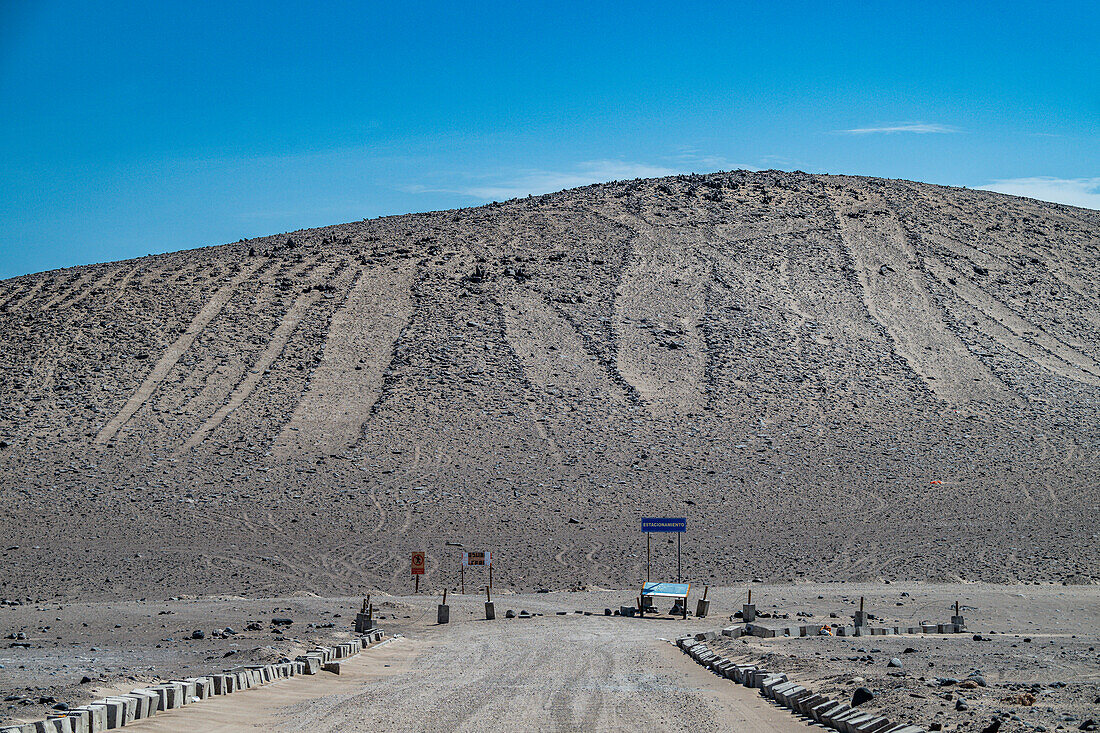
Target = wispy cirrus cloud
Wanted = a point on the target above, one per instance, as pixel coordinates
(1083, 192)
(919, 128)
(522, 182)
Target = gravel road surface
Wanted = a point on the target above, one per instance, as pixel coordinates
(571, 673)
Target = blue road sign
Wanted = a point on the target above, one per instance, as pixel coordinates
(664, 524)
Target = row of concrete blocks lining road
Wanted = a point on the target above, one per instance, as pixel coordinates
(775, 685)
(143, 702)
(765, 632)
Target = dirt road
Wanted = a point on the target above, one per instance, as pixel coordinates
(571, 673)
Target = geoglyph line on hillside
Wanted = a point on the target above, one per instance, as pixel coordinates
(531, 325)
(668, 371)
(21, 300)
(174, 352)
(1010, 330)
(69, 288)
(271, 352)
(342, 389)
(207, 384)
(77, 295)
(895, 295)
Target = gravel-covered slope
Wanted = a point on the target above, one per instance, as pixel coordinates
(791, 361)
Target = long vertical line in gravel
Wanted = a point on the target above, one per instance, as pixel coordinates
(898, 300)
(270, 353)
(19, 301)
(168, 360)
(360, 339)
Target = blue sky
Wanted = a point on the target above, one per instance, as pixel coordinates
(130, 128)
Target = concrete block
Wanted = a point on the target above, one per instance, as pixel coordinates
(186, 690)
(204, 686)
(823, 708)
(686, 642)
(443, 614)
(168, 695)
(732, 631)
(806, 704)
(797, 696)
(80, 720)
(876, 725)
(333, 666)
(148, 702)
(840, 722)
(773, 686)
(748, 612)
(702, 608)
(928, 628)
(98, 716)
(116, 712)
(54, 725)
(830, 715)
(490, 611)
(218, 683)
(849, 723)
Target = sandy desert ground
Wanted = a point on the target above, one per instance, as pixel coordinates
(577, 671)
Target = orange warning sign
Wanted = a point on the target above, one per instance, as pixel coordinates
(418, 563)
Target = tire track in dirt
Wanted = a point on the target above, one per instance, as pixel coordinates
(172, 355)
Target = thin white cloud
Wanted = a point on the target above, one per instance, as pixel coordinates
(537, 181)
(1083, 192)
(919, 128)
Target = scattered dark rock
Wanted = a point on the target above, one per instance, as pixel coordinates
(862, 695)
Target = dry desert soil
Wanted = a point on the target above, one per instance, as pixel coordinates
(836, 380)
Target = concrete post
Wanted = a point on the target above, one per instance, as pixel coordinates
(702, 608)
(748, 613)
(490, 611)
(443, 614)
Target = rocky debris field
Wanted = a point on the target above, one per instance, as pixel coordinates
(831, 377)
(1029, 661)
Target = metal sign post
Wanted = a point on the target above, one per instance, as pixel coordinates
(664, 524)
(481, 559)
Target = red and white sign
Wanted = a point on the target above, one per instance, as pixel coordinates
(418, 563)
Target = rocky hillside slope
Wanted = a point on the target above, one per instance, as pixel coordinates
(831, 377)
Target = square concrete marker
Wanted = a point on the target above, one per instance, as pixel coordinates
(57, 724)
(79, 720)
(99, 716)
(116, 712)
(54, 725)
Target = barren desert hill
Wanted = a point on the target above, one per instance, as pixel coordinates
(831, 377)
